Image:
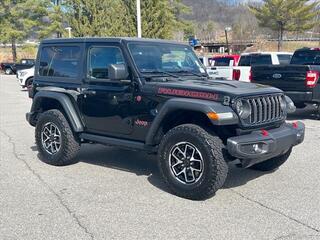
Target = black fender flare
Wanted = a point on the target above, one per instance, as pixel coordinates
(66, 103)
(204, 106)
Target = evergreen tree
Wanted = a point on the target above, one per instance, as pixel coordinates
(286, 16)
(98, 18)
(19, 19)
(160, 18)
(54, 22)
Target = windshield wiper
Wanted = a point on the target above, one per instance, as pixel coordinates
(158, 72)
(190, 72)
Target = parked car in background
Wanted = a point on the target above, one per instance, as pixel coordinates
(242, 72)
(225, 60)
(206, 61)
(299, 79)
(222, 66)
(12, 68)
(25, 77)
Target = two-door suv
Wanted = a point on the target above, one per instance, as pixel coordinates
(155, 96)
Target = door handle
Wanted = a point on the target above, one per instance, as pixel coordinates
(88, 92)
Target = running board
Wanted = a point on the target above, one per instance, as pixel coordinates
(123, 143)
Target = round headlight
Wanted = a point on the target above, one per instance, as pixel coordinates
(243, 109)
(283, 103)
(291, 108)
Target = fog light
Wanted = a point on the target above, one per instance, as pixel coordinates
(255, 148)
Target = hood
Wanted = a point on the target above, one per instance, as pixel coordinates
(213, 89)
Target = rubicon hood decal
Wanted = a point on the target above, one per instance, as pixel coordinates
(188, 93)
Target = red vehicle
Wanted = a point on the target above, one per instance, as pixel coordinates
(225, 60)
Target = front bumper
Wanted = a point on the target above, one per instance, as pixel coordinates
(259, 146)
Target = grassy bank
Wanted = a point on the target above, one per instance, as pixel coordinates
(27, 51)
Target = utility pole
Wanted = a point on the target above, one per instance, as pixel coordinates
(138, 19)
(57, 3)
(69, 31)
(226, 30)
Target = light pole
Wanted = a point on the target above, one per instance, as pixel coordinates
(138, 19)
(226, 30)
(69, 31)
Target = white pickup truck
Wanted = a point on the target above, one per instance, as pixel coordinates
(242, 72)
(220, 67)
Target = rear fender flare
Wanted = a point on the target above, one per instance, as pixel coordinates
(66, 103)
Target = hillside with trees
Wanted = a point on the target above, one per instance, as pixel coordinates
(168, 19)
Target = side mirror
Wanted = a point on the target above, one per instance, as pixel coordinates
(117, 72)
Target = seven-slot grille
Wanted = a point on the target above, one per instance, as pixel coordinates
(265, 109)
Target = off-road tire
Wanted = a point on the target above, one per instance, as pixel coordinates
(69, 145)
(8, 71)
(272, 163)
(215, 168)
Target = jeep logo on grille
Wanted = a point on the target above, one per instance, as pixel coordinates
(277, 75)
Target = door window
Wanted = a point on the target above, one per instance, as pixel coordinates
(59, 61)
(99, 60)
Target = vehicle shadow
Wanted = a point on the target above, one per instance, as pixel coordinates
(143, 164)
(308, 113)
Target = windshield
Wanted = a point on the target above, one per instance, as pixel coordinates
(165, 57)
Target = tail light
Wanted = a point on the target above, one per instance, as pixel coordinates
(312, 79)
(236, 74)
(250, 76)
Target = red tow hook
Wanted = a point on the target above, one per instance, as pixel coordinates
(295, 124)
(264, 133)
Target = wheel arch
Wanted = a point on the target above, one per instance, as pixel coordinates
(46, 100)
(28, 78)
(179, 111)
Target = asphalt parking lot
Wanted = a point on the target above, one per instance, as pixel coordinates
(117, 194)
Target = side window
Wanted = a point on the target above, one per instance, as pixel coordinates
(99, 60)
(57, 61)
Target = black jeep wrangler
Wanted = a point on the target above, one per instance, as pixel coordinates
(154, 96)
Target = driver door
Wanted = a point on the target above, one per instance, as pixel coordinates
(105, 104)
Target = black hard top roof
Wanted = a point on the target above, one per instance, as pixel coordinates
(106, 39)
